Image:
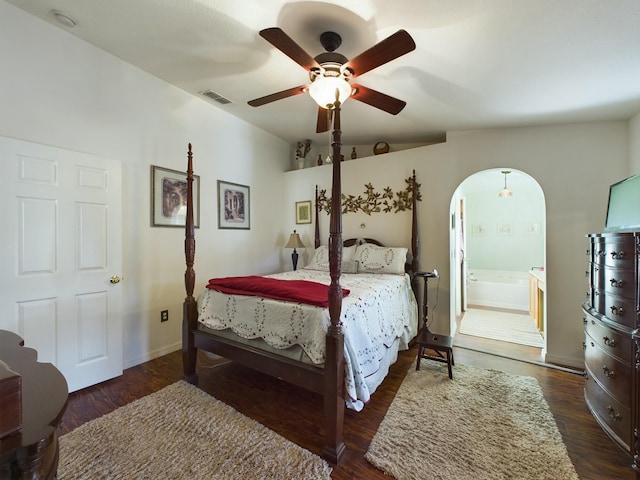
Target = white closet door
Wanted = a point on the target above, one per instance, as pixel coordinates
(61, 238)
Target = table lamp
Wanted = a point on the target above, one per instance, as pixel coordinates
(294, 242)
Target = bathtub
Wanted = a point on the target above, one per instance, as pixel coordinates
(499, 289)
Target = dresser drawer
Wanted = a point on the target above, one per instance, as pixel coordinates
(612, 374)
(617, 309)
(614, 417)
(617, 281)
(615, 342)
(618, 251)
(597, 276)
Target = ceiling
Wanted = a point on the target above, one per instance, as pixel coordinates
(478, 63)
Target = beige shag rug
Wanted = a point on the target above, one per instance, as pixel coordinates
(181, 432)
(483, 424)
(504, 326)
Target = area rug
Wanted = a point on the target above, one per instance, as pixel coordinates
(482, 425)
(181, 432)
(507, 327)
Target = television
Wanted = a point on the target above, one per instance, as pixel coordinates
(623, 209)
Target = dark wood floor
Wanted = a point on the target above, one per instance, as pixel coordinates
(297, 414)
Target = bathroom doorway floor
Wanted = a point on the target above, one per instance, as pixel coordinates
(496, 347)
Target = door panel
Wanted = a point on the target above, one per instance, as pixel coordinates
(64, 232)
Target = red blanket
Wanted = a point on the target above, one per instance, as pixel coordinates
(300, 291)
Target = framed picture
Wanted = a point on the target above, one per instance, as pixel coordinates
(479, 230)
(303, 212)
(233, 206)
(169, 198)
(504, 229)
(531, 229)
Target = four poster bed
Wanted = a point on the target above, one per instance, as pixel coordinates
(338, 358)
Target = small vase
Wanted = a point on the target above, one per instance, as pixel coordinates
(354, 154)
(301, 163)
(319, 161)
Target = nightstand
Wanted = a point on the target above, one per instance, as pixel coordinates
(441, 345)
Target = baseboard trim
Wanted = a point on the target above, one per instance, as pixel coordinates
(560, 360)
(153, 354)
(533, 362)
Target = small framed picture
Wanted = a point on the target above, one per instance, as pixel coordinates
(303, 212)
(479, 230)
(169, 198)
(233, 206)
(504, 229)
(532, 229)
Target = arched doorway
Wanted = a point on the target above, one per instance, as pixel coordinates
(498, 264)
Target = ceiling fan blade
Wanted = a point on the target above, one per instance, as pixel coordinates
(283, 42)
(278, 96)
(324, 120)
(377, 99)
(388, 49)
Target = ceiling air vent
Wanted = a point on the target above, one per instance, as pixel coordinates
(216, 96)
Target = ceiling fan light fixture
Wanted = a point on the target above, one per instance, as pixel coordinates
(323, 90)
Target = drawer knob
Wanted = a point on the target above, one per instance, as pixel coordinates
(608, 373)
(610, 342)
(617, 310)
(613, 414)
(617, 255)
(616, 283)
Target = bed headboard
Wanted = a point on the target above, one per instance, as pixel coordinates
(349, 242)
(412, 264)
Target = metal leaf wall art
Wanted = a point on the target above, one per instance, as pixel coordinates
(374, 202)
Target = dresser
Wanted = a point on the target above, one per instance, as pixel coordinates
(612, 358)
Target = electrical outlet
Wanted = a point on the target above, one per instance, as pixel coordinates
(164, 315)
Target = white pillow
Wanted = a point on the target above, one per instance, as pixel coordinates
(320, 260)
(348, 253)
(374, 259)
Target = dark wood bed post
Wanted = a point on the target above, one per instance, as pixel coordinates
(334, 361)
(317, 230)
(415, 238)
(189, 307)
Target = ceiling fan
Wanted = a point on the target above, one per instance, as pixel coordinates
(336, 70)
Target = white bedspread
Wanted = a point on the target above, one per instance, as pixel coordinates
(379, 314)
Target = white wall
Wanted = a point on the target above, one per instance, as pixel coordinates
(58, 90)
(634, 144)
(574, 165)
(515, 250)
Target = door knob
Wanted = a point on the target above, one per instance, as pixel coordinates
(115, 279)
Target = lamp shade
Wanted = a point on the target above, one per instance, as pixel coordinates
(505, 192)
(294, 241)
(323, 90)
